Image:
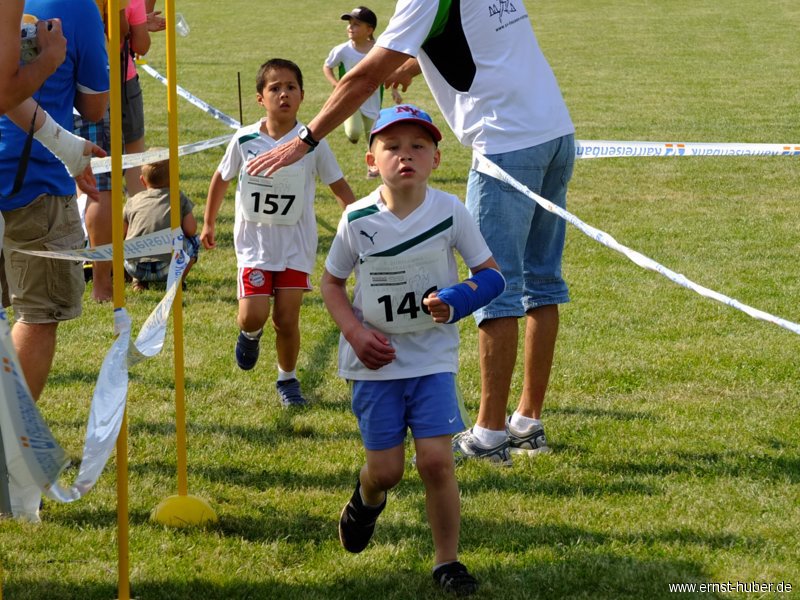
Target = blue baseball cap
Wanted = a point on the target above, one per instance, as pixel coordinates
(404, 113)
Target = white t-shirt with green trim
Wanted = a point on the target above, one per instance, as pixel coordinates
(368, 230)
(485, 70)
(276, 247)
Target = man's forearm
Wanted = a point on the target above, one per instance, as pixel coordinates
(354, 88)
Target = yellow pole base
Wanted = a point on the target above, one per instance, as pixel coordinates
(183, 511)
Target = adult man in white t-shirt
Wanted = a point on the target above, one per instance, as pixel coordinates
(498, 94)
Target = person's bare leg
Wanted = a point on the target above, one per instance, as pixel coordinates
(253, 313)
(497, 343)
(541, 330)
(188, 268)
(383, 471)
(286, 321)
(133, 184)
(442, 501)
(35, 344)
(98, 225)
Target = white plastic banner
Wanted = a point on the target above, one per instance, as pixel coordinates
(152, 244)
(611, 149)
(35, 459)
(150, 340)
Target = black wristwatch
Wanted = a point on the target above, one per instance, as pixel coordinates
(305, 135)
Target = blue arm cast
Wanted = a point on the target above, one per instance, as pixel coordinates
(464, 300)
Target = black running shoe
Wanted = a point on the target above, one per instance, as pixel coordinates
(247, 351)
(455, 579)
(357, 523)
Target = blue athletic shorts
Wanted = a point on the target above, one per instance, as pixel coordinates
(430, 406)
(526, 240)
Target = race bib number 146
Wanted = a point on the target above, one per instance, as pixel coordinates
(393, 287)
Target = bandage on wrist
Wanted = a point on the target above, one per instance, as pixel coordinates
(476, 292)
(67, 146)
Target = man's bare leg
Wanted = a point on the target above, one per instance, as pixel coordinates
(35, 344)
(497, 342)
(541, 330)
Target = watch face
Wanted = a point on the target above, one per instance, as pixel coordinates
(305, 135)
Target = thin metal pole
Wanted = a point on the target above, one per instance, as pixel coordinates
(5, 496)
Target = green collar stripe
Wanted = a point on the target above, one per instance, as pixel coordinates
(362, 212)
(247, 138)
(442, 16)
(400, 248)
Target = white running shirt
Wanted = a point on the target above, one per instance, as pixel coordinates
(368, 228)
(485, 69)
(268, 246)
(345, 57)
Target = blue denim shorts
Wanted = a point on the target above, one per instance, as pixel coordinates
(430, 406)
(158, 270)
(526, 240)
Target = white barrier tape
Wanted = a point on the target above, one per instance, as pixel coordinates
(482, 164)
(201, 104)
(583, 149)
(103, 165)
(151, 244)
(151, 337)
(609, 149)
(35, 459)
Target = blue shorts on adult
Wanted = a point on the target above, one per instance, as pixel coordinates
(526, 240)
(430, 406)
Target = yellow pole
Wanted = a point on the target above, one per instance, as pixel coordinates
(175, 221)
(115, 105)
(180, 510)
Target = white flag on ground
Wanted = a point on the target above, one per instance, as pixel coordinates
(34, 458)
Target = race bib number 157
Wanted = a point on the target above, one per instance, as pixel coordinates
(276, 200)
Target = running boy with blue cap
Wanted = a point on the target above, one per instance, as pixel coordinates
(399, 344)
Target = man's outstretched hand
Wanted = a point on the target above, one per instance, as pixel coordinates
(286, 154)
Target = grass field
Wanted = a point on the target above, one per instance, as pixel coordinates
(673, 419)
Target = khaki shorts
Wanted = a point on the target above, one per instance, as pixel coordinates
(43, 290)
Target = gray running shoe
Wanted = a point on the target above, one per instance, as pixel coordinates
(289, 391)
(466, 446)
(533, 442)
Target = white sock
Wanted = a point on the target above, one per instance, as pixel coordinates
(523, 424)
(488, 438)
(286, 375)
(64, 144)
(253, 335)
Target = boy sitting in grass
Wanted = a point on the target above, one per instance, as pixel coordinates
(148, 212)
(399, 344)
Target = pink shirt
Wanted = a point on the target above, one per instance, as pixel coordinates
(136, 14)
